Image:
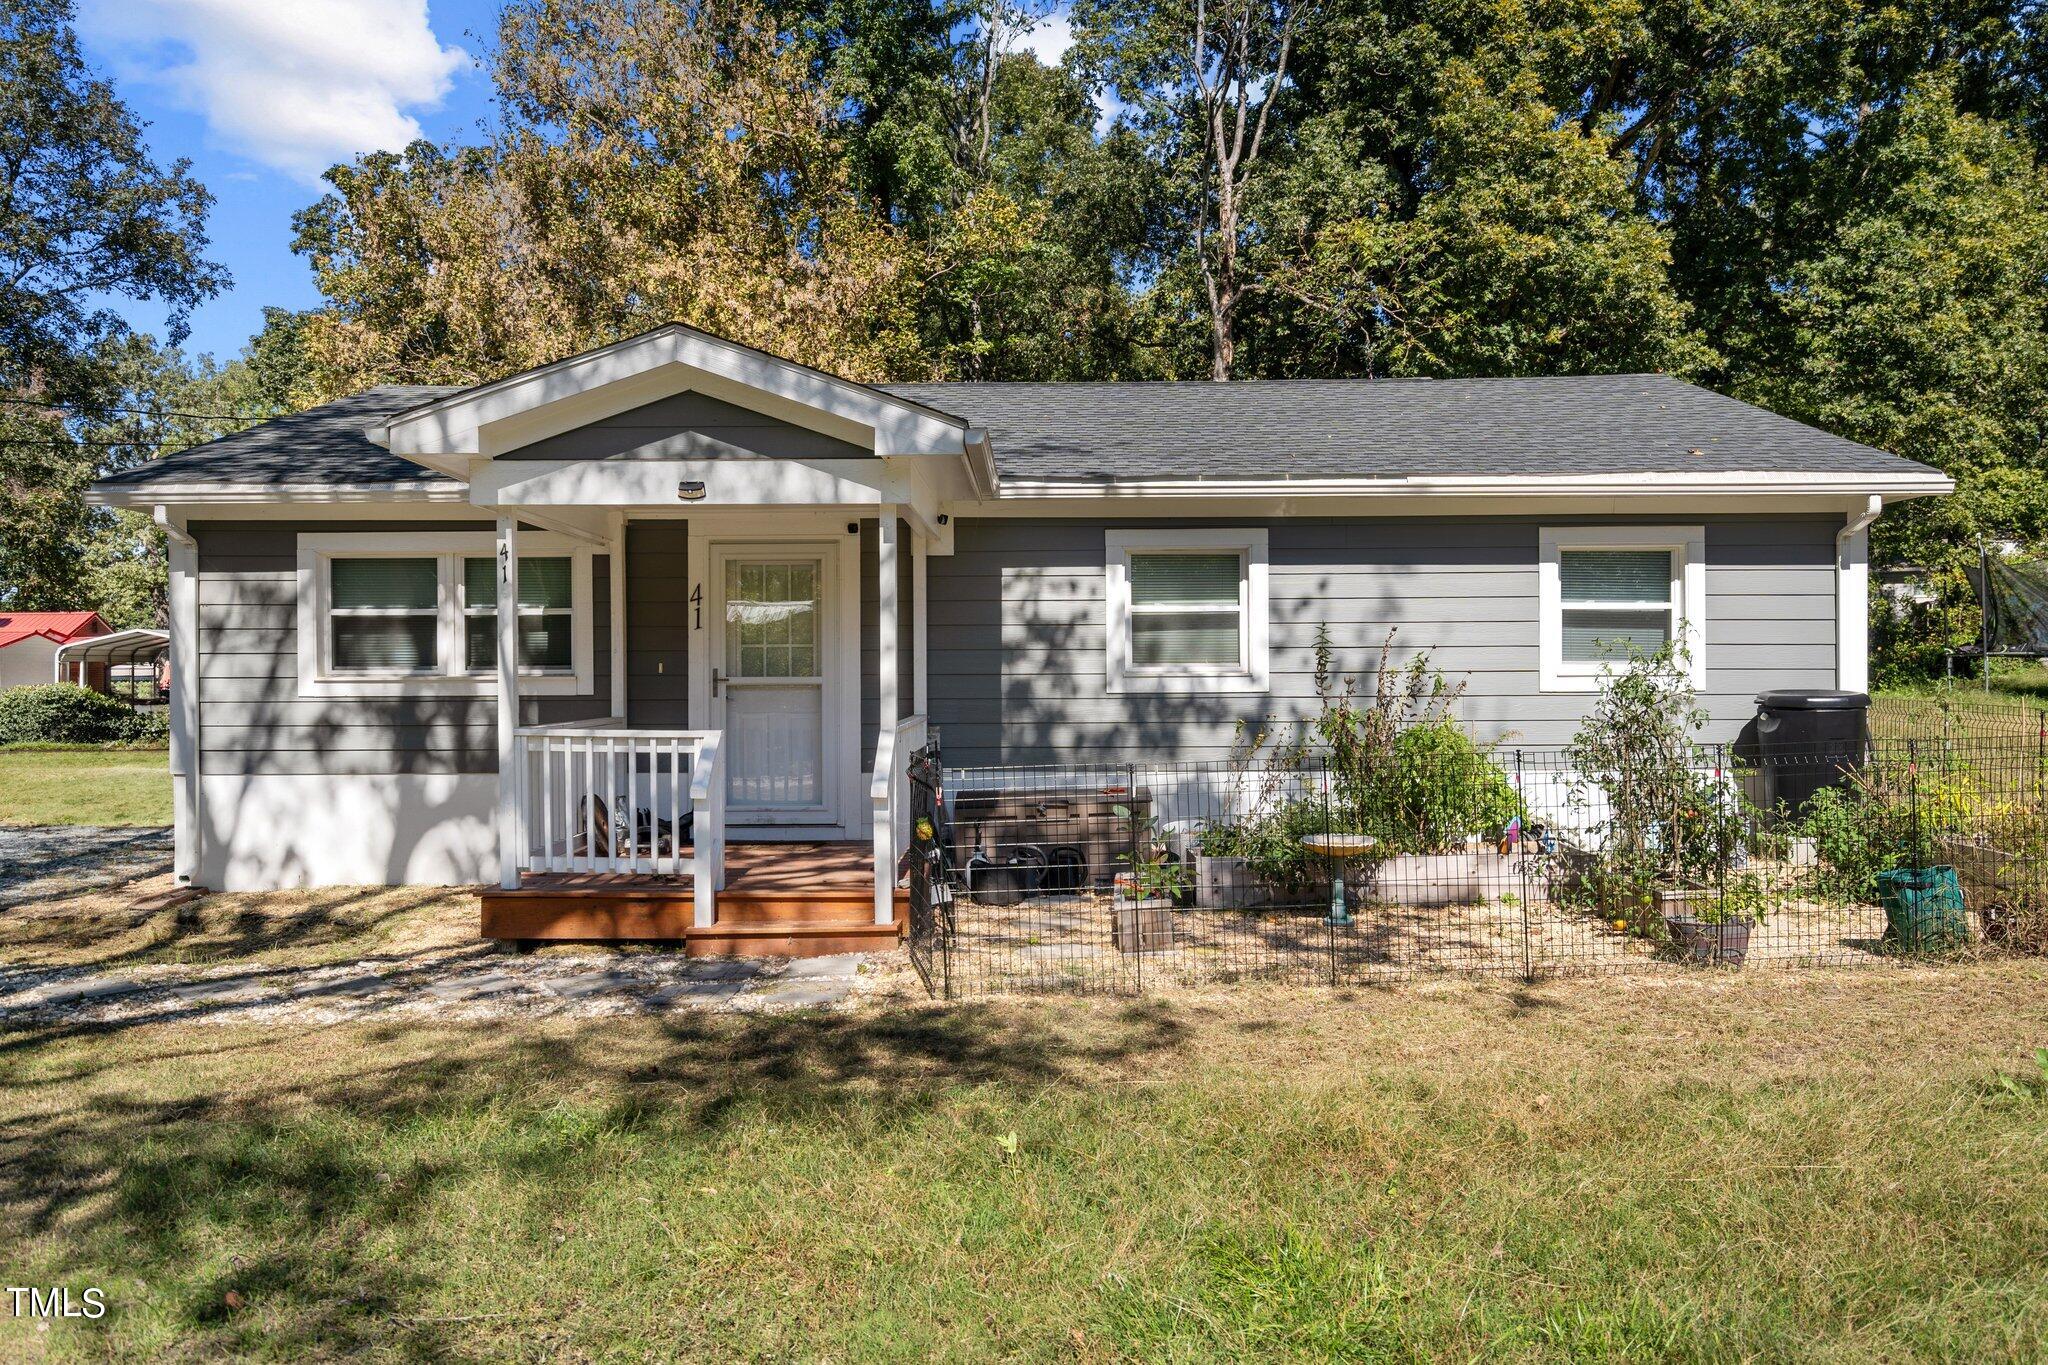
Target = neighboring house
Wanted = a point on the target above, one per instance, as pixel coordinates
(29, 641)
(738, 585)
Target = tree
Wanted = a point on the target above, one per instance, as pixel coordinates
(1202, 78)
(86, 216)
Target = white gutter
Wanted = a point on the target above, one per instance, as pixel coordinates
(263, 494)
(1895, 486)
(1852, 598)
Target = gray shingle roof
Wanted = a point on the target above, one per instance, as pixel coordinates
(322, 446)
(1602, 424)
(1322, 428)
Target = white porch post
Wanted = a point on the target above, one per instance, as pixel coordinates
(618, 576)
(886, 549)
(920, 703)
(184, 700)
(508, 703)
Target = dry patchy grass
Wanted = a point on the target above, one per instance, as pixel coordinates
(1745, 1166)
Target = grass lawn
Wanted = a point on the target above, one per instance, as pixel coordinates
(85, 787)
(1763, 1166)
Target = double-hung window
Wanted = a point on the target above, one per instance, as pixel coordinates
(1186, 611)
(404, 612)
(1608, 592)
(545, 614)
(384, 615)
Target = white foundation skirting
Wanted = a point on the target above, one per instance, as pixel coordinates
(264, 833)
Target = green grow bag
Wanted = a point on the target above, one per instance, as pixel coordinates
(1923, 909)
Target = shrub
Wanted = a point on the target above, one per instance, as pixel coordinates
(63, 713)
(1446, 788)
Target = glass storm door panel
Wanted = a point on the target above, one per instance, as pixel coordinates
(774, 681)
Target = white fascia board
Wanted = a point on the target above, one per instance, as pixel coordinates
(435, 491)
(655, 483)
(455, 426)
(1892, 487)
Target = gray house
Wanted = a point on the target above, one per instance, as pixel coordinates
(582, 632)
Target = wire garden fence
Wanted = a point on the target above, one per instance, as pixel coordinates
(1128, 877)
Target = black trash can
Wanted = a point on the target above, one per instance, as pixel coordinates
(1807, 739)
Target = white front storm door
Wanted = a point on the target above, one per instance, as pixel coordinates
(772, 691)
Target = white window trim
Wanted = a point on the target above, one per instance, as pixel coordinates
(317, 677)
(1687, 546)
(1252, 675)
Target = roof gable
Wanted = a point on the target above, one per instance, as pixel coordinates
(50, 625)
(687, 426)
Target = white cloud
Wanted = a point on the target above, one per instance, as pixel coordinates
(294, 84)
(1049, 39)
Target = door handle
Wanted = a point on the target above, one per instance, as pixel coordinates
(717, 681)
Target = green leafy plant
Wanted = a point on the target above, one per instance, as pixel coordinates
(1153, 874)
(1661, 818)
(64, 713)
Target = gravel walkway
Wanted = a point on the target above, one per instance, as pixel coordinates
(484, 985)
(44, 861)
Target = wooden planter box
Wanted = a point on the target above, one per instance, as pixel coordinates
(1226, 883)
(1143, 926)
(1468, 876)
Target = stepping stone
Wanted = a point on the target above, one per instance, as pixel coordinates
(583, 987)
(694, 992)
(354, 987)
(803, 994)
(808, 968)
(192, 991)
(472, 987)
(722, 969)
(72, 993)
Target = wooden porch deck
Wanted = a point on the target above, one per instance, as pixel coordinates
(780, 900)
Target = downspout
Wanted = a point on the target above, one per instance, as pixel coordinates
(185, 762)
(1852, 598)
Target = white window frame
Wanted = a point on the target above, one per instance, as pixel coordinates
(1687, 546)
(1252, 672)
(319, 678)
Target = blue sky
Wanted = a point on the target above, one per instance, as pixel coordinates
(264, 95)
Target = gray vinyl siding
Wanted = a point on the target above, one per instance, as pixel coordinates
(1016, 629)
(689, 426)
(251, 717)
(658, 624)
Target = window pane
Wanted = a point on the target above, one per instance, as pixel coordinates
(480, 643)
(1174, 578)
(1591, 636)
(480, 583)
(544, 583)
(544, 641)
(385, 644)
(1184, 637)
(387, 583)
(1614, 575)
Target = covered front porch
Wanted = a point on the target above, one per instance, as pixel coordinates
(708, 638)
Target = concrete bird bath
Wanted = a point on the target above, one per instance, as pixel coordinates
(1339, 849)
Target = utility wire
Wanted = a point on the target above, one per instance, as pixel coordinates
(139, 412)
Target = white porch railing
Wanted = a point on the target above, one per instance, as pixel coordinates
(890, 795)
(595, 796)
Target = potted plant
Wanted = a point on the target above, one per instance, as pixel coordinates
(1668, 828)
(1223, 872)
(1144, 895)
(1713, 927)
